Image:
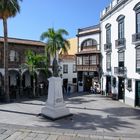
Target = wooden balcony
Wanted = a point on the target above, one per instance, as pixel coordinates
(108, 47)
(87, 68)
(120, 43)
(136, 38)
(120, 71)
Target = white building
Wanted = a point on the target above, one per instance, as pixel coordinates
(68, 72)
(68, 67)
(88, 57)
(120, 43)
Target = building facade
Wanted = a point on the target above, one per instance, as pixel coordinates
(88, 57)
(120, 47)
(19, 79)
(68, 67)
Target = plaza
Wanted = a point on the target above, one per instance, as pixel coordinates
(103, 58)
(94, 117)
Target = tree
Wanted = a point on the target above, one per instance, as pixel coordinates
(54, 43)
(8, 8)
(32, 63)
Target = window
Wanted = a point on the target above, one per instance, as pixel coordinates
(88, 43)
(85, 60)
(120, 20)
(0, 55)
(138, 22)
(74, 80)
(93, 60)
(14, 56)
(121, 59)
(129, 84)
(65, 68)
(108, 61)
(74, 68)
(108, 33)
(79, 60)
(138, 59)
(137, 10)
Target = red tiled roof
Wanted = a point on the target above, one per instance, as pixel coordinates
(67, 57)
(23, 41)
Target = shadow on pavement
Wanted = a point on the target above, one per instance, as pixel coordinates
(84, 121)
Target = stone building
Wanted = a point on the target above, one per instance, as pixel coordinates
(19, 79)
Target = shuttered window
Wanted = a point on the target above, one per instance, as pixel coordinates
(108, 61)
(65, 68)
(121, 56)
(85, 60)
(93, 60)
(137, 59)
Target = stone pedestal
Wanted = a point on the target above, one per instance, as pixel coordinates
(55, 106)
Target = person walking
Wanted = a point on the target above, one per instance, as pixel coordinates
(69, 89)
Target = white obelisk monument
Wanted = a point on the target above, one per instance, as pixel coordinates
(55, 107)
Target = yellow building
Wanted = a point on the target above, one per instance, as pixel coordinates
(73, 46)
(67, 63)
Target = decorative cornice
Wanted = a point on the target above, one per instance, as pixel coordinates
(113, 9)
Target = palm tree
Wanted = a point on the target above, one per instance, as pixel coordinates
(54, 43)
(32, 63)
(8, 8)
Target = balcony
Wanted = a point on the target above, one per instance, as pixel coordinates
(136, 38)
(120, 71)
(87, 68)
(108, 47)
(120, 43)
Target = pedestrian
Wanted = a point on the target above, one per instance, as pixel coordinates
(91, 89)
(69, 89)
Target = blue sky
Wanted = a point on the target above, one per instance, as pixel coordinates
(37, 16)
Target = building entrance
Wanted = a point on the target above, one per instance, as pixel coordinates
(137, 101)
(108, 85)
(87, 83)
(121, 88)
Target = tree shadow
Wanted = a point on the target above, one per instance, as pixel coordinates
(122, 111)
(83, 121)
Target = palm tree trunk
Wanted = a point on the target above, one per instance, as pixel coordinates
(6, 75)
(55, 70)
(34, 93)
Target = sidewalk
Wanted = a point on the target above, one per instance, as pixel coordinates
(95, 117)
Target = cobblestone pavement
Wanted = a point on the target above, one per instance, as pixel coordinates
(95, 117)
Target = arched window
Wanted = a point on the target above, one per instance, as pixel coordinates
(137, 10)
(89, 43)
(138, 59)
(14, 56)
(108, 33)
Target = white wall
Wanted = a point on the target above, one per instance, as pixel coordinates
(130, 61)
(70, 75)
(94, 36)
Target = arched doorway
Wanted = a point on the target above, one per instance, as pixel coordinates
(14, 84)
(42, 82)
(27, 84)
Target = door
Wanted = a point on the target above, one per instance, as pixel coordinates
(108, 85)
(87, 83)
(121, 88)
(137, 93)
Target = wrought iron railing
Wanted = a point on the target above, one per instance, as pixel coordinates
(120, 43)
(108, 47)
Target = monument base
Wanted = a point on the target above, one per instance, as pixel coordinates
(55, 107)
(55, 113)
